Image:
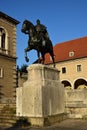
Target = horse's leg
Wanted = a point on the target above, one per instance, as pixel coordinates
(53, 60)
(38, 54)
(26, 50)
(52, 55)
(43, 58)
(26, 58)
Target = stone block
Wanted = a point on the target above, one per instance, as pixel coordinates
(42, 95)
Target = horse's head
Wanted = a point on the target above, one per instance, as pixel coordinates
(26, 26)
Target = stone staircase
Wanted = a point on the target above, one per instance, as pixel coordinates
(8, 115)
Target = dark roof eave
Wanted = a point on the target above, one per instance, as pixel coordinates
(9, 18)
(66, 60)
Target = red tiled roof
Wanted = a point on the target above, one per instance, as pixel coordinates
(62, 50)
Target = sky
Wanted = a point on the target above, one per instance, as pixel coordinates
(65, 20)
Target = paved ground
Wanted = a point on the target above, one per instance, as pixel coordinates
(69, 124)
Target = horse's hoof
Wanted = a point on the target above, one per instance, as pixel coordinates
(27, 60)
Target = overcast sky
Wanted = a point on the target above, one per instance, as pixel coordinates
(65, 20)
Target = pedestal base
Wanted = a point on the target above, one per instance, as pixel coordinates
(47, 121)
(42, 95)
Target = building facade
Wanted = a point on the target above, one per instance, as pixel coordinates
(71, 61)
(7, 58)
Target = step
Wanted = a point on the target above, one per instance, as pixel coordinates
(7, 114)
(16, 122)
(6, 107)
(8, 121)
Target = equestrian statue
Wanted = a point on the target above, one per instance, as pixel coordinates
(38, 40)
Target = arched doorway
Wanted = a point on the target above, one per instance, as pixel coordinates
(80, 82)
(66, 83)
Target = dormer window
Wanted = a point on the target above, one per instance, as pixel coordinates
(71, 53)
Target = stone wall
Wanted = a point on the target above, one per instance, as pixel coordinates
(8, 80)
(76, 103)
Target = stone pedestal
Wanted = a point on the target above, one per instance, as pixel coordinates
(42, 96)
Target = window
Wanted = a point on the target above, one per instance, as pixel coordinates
(79, 68)
(71, 54)
(63, 70)
(2, 38)
(3, 41)
(1, 72)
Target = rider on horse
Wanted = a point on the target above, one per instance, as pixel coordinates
(38, 40)
(42, 33)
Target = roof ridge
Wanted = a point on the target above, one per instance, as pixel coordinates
(71, 40)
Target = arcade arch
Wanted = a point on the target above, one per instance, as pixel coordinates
(80, 83)
(66, 83)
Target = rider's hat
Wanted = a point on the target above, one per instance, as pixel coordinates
(38, 21)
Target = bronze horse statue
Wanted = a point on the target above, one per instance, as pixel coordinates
(35, 42)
